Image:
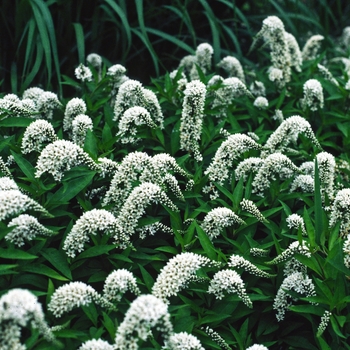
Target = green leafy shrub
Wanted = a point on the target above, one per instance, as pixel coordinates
(203, 209)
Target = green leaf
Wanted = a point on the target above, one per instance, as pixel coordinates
(318, 208)
(15, 254)
(335, 327)
(177, 42)
(95, 251)
(6, 269)
(15, 122)
(91, 312)
(147, 278)
(25, 166)
(336, 259)
(109, 325)
(238, 193)
(167, 249)
(79, 34)
(225, 191)
(308, 309)
(42, 269)
(205, 242)
(71, 187)
(90, 145)
(309, 228)
(59, 260)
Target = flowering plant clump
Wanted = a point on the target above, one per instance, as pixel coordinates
(18, 309)
(144, 313)
(191, 119)
(61, 156)
(177, 273)
(204, 208)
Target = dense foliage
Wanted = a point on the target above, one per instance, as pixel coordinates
(208, 207)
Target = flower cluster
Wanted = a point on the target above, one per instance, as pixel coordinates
(327, 74)
(83, 73)
(46, 103)
(131, 94)
(204, 53)
(134, 207)
(192, 117)
(88, 224)
(4, 169)
(258, 252)
(61, 156)
(294, 51)
(133, 115)
(217, 219)
(14, 202)
(124, 176)
(257, 88)
(297, 282)
(18, 307)
(217, 338)
(6, 184)
(96, 61)
(311, 47)
(231, 282)
(304, 182)
(251, 208)
(261, 102)
(232, 67)
(294, 248)
(326, 168)
(80, 125)
(229, 151)
(296, 221)
(116, 73)
(294, 265)
(230, 89)
(117, 283)
(274, 35)
(202, 59)
(288, 132)
(324, 323)
(26, 227)
(251, 164)
(257, 347)
(145, 312)
(313, 95)
(183, 341)
(96, 344)
(72, 295)
(237, 261)
(11, 105)
(341, 211)
(275, 163)
(74, 107)
(151, 229)
(177, 273)
(36, 134)
(107, 166)
(346, 250)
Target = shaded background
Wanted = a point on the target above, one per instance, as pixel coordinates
(41, 40)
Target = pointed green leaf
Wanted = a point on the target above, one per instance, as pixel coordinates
(59, 260)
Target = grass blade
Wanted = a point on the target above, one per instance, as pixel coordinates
(44, 37)
(125, 24)
(142, 34)
(214, 30)
(46, 15)
(172, 39)
(79, 35)
(318, 206)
